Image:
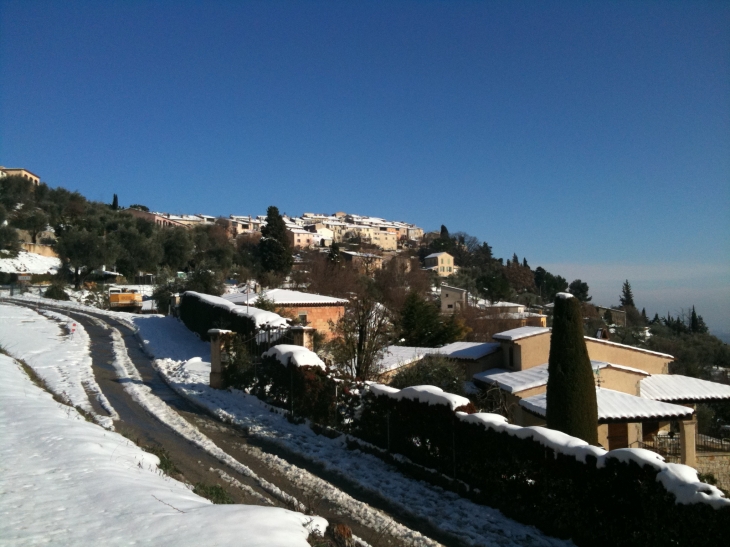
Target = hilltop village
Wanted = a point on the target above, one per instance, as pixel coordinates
(344, 321)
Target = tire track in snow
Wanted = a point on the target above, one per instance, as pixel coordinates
(357, 510)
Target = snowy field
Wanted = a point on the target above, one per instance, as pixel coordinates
(185, 365)
(187, 370)
(65, 481)
(30, 263)
(58, 351)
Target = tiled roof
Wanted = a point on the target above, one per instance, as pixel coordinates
(468, 350)
(521, 380)
(615, 405)
(674, 387)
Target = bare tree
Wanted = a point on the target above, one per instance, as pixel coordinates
(362, 333)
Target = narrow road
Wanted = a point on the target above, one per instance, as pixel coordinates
(198, 466)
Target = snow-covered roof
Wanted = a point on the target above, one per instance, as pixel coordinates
(299, 355)
(426, 394)
(398, 356)
(521, 332)
(261, 318)
(675, 387)
(563, 295)
(286, 297)
(615, 405)
(434, 255)
(514, 382)
(468, 350)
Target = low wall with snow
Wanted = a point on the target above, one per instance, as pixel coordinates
(540, 476)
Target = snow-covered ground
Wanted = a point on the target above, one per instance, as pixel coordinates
(188, 373)
(58, 351)
(30, 263)
(65, 481)
(185, 366)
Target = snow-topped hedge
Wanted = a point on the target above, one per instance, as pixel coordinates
(298, 356)
(202, 312)
(543, 477)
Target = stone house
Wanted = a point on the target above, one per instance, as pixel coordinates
(312, 310)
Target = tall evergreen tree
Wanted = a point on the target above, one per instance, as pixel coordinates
(644, 316)
(627, 297)
(444, 232)
(115, 202)
(274, 248)
(571, 392)
(694, 323)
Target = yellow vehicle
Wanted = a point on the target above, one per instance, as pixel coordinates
(125, 300)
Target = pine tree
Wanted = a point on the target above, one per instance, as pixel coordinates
(274, 249)
(444, 232)
(571, 392)
(627, 297)
(115, 202)
(524, 263)
(515, 260)
(644, 317)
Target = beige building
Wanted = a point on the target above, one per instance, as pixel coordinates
(299, 238)
(20, 172)
(441, 263)
(637, 397)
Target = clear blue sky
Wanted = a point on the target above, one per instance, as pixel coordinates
(591, 137)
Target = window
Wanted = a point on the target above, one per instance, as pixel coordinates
(303, 318)
(449, 306)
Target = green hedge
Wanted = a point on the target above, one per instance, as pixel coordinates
(201, 316)
(617, 504)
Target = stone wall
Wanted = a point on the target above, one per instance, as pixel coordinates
(717, 463)
(43, 250)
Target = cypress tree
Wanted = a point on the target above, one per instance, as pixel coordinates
(115, 202)
(694, 324)
(571, 392)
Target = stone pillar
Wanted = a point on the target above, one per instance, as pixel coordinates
(688, 450)
(303, 336)
(217, 340)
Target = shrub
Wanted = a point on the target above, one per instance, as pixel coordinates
(56, 292)
(432, 370)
